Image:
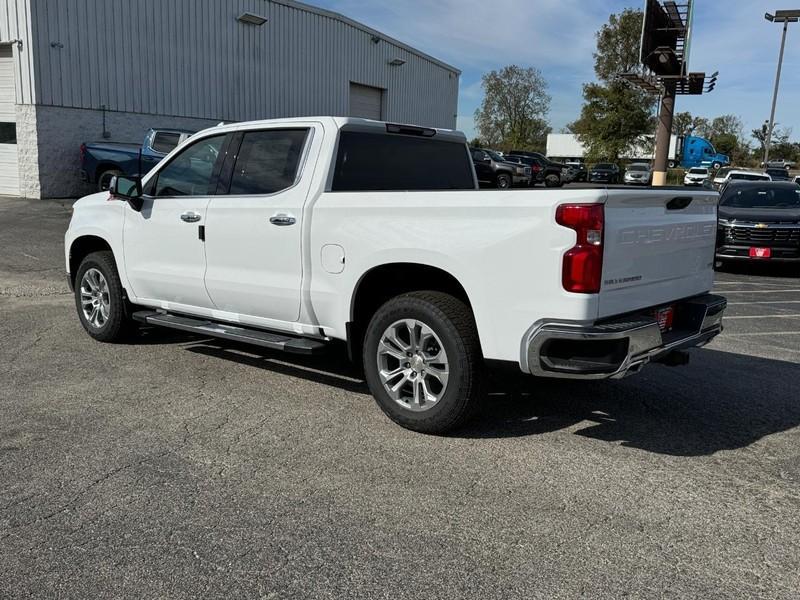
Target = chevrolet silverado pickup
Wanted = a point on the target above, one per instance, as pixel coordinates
(295, 234)
(100, 161)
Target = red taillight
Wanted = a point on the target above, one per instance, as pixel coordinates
(582, 269)
(536, 168)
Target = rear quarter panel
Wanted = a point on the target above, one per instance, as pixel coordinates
(504, 247)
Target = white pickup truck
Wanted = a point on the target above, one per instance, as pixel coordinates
(294, 233)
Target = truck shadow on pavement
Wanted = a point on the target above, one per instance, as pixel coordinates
(721, 401)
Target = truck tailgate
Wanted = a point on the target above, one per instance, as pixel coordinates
(658, 247)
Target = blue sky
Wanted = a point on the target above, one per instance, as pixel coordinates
(557, 36)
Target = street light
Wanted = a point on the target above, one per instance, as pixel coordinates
(785, 17)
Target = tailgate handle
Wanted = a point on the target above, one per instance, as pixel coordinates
(679, 203)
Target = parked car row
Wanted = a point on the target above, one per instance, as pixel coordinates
(516, 169)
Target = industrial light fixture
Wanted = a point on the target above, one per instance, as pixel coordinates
(397, 62)
(251, 19)
(375, 39)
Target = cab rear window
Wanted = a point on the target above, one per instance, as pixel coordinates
(393, 162)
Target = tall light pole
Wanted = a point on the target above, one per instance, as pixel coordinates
(785, 17)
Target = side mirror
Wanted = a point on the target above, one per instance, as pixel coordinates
(128, 189)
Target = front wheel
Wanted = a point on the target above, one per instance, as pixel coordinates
(422, 361)
(100, 299)
(503, 181)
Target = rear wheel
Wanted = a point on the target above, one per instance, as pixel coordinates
(422, 361)
(100, 299)
(552, 180)
(503, 181)
(717, 166)
(105, 177)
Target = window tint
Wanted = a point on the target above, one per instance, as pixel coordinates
(8, 133)
(165, 142)
(374, 161)
(267, 161)
(191, 171)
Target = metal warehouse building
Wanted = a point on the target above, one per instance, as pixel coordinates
(81, 70)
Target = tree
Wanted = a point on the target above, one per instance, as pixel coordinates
(779, 143)
(682, 122)
(513, 114)
(615, 116)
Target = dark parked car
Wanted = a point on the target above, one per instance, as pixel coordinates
(759, 220)
(778, 174)
(100, 161)
(604, 173)
(577, 171)
(493, 169)
(551, 166)
(542, 171)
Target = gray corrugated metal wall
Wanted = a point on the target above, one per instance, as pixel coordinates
(15, 26)
(193, 58)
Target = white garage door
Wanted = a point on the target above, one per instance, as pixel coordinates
(365, 101)
(9, 165)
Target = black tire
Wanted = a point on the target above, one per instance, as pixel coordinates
(118, 325)
(552, 180)
(452, 321)
(504, 181)
(671, 164)
(104, 178)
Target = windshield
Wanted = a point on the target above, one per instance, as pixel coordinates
(761, 197)
(778, 172)
(724, 172)
(698, 171)
(749, 177)
(638, 168)
(495, 156)
(606, 166)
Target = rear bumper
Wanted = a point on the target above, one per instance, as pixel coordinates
(618, 347)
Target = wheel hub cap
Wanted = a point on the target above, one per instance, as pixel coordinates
(95, 299)
(412, 365)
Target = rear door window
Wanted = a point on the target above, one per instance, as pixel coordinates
(391, 162)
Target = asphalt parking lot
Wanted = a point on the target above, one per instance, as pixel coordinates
(180, 467)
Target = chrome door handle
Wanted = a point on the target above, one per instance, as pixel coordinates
(282, 220)
(190, 217)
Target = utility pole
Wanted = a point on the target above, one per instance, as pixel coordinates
(785, 19)
(664, 134)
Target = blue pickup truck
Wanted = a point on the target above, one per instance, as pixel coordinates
(100, 161)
